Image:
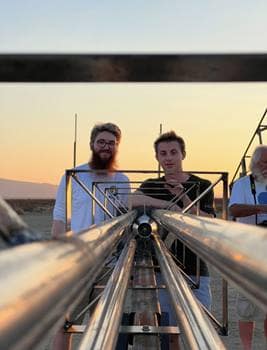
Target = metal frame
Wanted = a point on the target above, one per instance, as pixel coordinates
(71, 68)
(242, 168)
(223, 327)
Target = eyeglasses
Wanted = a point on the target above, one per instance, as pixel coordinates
(102, 143)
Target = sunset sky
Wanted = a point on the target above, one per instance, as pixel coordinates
(216, 120)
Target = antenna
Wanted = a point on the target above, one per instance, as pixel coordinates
(160, 133)
(75, 139)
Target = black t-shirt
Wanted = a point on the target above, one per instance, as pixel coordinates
(155, 188)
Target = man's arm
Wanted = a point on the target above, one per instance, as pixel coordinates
(138, 199)
(241, 210)
(58, 224)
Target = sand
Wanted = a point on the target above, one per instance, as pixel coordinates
(41, 222)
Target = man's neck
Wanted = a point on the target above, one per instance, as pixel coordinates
(178, 177)
(100, 172)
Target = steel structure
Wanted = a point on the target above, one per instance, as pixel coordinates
(71, 68)
(37, 289)
(242, 168)
(45, 280)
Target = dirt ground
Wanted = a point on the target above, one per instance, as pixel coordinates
(42, 222)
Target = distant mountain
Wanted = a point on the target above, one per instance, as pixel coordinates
(22, 189)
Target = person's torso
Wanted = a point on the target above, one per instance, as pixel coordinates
(243, 194)
(193, 186)
(111, 190)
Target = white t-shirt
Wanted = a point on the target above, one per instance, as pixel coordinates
(242, 194)
(81, 205)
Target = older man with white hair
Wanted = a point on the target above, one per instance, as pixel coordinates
(248, 204)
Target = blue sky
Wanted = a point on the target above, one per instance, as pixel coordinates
(216, 120)
(133, 26)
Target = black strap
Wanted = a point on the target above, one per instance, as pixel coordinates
(253, 191)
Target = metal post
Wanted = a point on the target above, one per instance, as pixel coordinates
(225, 313)
(68, 199)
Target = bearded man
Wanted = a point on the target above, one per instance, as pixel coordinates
(248, 204)
(104, 142)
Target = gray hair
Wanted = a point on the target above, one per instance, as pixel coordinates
(256, 156)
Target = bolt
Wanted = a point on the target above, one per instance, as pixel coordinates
(146, 329)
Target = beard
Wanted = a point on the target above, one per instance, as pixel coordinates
(98, 163)
(259, 176)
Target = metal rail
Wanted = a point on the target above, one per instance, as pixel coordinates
(198, 333)
(242, 164)
(91, 194)
(133, 67)
(237, 251)
(44, 280)
(104, 326)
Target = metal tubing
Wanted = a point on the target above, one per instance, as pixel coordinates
(107, 199)
(41, 281)
(93, 209)
(103, 329)
(247, 149)
(76, 171)
(133, 67)
(92, 195)
(225, 197)
(68, 200)
(202, 194)
(178, 197)
(196, 328)
(236, 250)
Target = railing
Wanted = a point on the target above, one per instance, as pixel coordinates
(103, 329)
(69, 68)
(27, 298)
(242, 168)
(198, 332)
(40, 281)
(237, 251)
(44, 280)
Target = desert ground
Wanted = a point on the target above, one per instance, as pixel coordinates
(40, 220)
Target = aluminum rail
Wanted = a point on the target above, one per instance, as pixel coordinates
(104, 325)
(237, 251)
(41, 281)
(196, 200)
(133, 67)
(197, 329)
(93, 197)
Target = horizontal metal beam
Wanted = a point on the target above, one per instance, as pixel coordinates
(197, 331)
(70, 68)
(236, 250)
(40, 282)
(133, 329)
